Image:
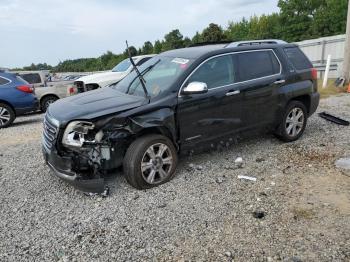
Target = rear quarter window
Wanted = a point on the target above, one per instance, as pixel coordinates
(297, 58)
(3, 81)
(257, 64)
(32, 78)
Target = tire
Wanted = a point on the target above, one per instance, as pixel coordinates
(292, 126)
(46, 102)
(7, 115)
(140, 152)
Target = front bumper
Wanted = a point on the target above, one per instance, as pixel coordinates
(61, 167)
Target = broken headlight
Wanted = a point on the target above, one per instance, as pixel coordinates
(77, 133)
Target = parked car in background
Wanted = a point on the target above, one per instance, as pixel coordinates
(99, 80)
(35, 78)
(16, 98)
(190, 99)
(49, 94)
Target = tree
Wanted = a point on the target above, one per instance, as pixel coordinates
(173, 40)
(187, 42)
(158, 46)
(133, 51)
(147, 48)
(213, 33)
(297, 18)
(197, 38)
(330, 18)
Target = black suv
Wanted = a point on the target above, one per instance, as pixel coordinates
(178, 101)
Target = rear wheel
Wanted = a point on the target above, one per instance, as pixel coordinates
(46, 102)
(150, 161)
(293, 123)
(7, 115)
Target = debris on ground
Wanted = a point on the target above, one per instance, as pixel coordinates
(247, 178)
(343, 164)
(259, 214)
(239, 162)
(104, 194)
(334, 119)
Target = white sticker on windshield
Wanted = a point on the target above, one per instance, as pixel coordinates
(181, 61)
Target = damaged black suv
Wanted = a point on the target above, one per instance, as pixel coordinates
(178, 101)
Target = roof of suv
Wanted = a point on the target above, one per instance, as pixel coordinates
(198, 51)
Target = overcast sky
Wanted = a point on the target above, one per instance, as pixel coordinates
(55, 30)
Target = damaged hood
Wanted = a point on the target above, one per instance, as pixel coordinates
(93, 104)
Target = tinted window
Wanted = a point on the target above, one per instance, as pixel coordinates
(257, 64)
(32, 78)
(215, 73)
(298, 58)
(3, 81)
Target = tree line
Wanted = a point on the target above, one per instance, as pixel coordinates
(297, 20)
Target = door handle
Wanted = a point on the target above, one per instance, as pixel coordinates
(232, 93)
(278, 82)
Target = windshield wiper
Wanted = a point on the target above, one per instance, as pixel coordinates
(149, 68)
(142, 80)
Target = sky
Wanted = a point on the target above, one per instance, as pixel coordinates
(50, 31)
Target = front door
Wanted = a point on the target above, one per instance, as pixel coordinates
(203, 117)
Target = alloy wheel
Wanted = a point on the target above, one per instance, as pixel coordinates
(156, 163)
(4, 116)
(295, 122)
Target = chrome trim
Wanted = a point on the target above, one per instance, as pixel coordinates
(264, 41)
(232, 53)
(236, 92)
(10, 81)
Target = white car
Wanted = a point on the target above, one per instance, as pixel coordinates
(99, 80)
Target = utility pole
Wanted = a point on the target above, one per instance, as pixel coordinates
(346, 63)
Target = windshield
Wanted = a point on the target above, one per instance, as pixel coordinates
(122, 66)
(160, 73)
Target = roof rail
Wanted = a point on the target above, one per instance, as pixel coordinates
(209, 43)
(256, 42)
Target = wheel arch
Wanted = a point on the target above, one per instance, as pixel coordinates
(48, 95)
(305, 99)
(9, 104)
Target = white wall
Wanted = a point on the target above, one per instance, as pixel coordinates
(317, 50)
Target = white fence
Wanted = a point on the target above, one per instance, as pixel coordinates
(317, 50)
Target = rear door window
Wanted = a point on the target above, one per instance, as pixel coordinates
(257, 64)
(297, 58)
(32, 78)
(3, 81)
(216, 72)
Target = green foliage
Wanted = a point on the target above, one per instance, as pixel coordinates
(297, 20)
(213, 33)
(173, 40)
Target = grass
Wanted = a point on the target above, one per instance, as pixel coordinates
(330, 89)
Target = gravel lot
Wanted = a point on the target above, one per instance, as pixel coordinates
(205, 213)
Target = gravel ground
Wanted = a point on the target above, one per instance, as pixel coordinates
(204, 214)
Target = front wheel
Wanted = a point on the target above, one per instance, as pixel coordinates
(47, 101)
(150, 161)
(293, 123)
(7, 115)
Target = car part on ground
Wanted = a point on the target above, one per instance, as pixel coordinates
(334, 119)
(197, 97)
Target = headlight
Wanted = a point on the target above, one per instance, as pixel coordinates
(76, 132)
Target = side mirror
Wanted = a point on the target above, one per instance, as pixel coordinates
(195, 88)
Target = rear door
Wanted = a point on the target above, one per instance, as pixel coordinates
(259, 76)
(203, 117)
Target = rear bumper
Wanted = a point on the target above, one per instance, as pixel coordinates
(61, 167)
(34, 107)
(314, 102)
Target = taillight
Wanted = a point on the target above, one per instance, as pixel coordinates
(71, 90)
(26, 89)
(314, 73)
